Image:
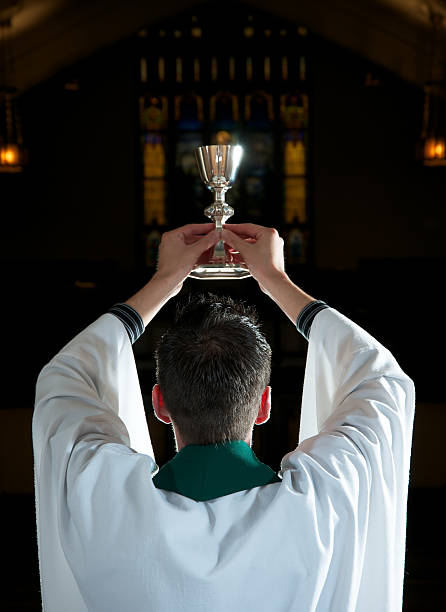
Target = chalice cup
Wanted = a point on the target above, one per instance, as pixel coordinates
(218, 165)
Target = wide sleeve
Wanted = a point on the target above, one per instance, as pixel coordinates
(88, 392)
(344, 360)
(354, 453)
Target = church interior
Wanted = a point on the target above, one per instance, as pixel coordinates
(340, 107)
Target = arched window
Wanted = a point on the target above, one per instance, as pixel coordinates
(240, 78)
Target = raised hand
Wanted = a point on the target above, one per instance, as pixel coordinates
(260, 247)
(181, 248)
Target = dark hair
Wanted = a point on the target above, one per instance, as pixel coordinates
(212, 367)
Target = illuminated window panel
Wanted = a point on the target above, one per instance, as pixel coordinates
(224, 110)
(294, 111)
(153, 112)
(296, 246)
(154, 156)
(259, 154)
(294, 155)
(255, 198)
(153, 239)
(189, 111)
(187, 180)
(259, 109)
(295, 199)
(155, 202)
(185, 153)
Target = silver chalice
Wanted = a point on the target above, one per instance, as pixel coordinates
(218, 165)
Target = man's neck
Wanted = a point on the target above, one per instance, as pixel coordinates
(179, 444)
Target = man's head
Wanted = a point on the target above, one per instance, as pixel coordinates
(213, 367)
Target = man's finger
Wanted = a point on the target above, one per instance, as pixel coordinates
(248, 229)
(206, 242)
(246, 238)
(194, 229)
(233, 240)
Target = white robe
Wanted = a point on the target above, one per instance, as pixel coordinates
(329, 537)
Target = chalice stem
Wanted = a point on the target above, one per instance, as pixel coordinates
(219, 249)
(219, 212)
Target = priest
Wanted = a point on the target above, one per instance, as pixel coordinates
(215, 529)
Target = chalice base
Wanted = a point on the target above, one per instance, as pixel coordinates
(220, 263)
(223, 271)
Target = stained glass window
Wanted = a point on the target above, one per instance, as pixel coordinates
(252, 92)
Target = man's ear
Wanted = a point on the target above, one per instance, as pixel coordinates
(158, 405)
(265, 407)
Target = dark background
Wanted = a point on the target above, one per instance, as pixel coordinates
(69, 250)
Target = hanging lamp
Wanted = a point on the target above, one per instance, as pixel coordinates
(432, 150)
(12, 153)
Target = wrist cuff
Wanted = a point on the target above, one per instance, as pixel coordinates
(306, 316)
(131, 320)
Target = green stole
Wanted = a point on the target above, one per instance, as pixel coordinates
(203, 472)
